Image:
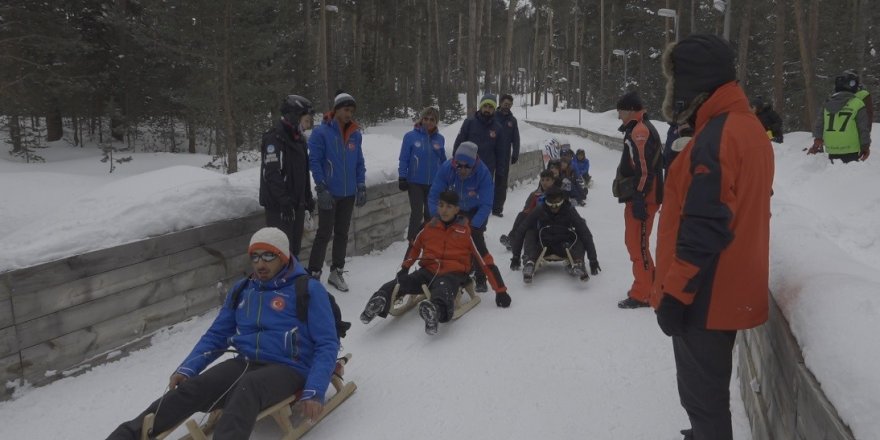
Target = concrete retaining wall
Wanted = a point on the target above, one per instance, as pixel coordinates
(58, 318)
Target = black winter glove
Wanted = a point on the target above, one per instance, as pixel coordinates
(515, 263)
(402, 274)
(361, 198)
(402, 184)
(310, 204)
(502, 299)
(287, 214)
(670, 316)
(594, 268)
(325, 199)
(514, 160)
(640, 211)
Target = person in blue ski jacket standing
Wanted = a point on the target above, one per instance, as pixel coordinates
(422, 152)
(278, 354)
(466, 175)
(337, 164)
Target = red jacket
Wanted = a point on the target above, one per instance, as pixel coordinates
(444, 249)
(713, 242)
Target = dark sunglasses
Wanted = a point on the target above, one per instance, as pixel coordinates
(554, 205)
(265, 256)
(462, 166)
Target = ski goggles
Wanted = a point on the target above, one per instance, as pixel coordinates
(554, 205)
(265, 256)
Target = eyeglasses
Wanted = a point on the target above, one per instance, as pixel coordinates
(462, 166)
(265, 256)
(429, 119)
(554, 205)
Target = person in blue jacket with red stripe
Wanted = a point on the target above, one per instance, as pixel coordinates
(466, 175)
(422, 152)
(277, 354)
(337, 164)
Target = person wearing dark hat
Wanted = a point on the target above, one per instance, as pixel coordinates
(639, 186)
(263, 372)
(508, 151)
(445, 252)
(769, 118)
(570, 180)
(713, 238)
(422, 152)
(285, 184)
(486, 132)
(466, 175)
(337, 164)
(843, 129)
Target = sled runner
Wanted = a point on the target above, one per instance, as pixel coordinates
(281, 412)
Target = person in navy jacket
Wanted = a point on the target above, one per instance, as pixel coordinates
(466, 175)
(277, 354)
(485, 131)
(337, 164)
(508, 151)
(422, 152)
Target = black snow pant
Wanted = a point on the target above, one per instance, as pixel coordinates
(500, 191)
(703, 362)
(333, 222)
(443, 289)
(519, 219)
(418, 209)
(845, 158)
(241, 388)
(293, 230)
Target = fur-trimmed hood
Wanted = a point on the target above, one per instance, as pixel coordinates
(694, 68)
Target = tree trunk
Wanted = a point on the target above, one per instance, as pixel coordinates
(489, 59)
(54, 129)
(779, 57)
(506, 64)
(536, 73)
(15, 134)
(548, 44)
(472, 58)
(743, 56)
(324, 73)
(603, 65)
(860, 35)
(229, 135)
(807, 58)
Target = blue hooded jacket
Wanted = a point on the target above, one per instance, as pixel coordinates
(582, 167)
(476, 192)
(264, 326)
(421, 155)
(336, 158)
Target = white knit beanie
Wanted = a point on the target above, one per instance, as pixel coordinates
(271, 240)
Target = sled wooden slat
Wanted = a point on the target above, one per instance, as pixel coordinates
(401, 305)
(460, 308)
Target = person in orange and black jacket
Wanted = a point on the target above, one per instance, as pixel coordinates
(444, 249)
(713, 237)
(641, 165)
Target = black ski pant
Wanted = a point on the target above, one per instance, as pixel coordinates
(442, 287)
(500, 190)
(519, 219)
(293, 230)
(334, 223)
(845, 158)
(703, 362)
(418, 209)
(241, 388)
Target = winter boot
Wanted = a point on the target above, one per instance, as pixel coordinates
(316, 274)
(569, 269)
(374, 306)
(428, 312)
(335, 279)
(480, 283)
(528, 271)
(580, 271)
(631, 303)
(505, 240)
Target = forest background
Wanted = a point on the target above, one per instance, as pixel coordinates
(182, 76)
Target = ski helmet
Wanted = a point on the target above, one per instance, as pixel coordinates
(848, 81)
(294, 106)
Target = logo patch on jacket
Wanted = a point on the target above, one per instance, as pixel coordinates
(418, 144)
(270, 149)
(510, 124)
(492, 134)
(351, 146)
(459, 230)
(701, 169)
(437, 146)
(278, 303)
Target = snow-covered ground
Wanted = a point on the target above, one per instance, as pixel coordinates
(563, 362)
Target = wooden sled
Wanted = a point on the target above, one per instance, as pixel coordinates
(545, 258)
(281, 412)
(404, 303)
(460, 307)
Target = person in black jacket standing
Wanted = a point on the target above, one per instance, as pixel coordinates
(508, 151)
(769, 118)
(285, 183)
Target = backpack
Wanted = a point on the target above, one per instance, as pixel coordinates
(302, 304)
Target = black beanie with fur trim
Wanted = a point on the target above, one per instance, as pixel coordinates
(695, 67)
(630, 101)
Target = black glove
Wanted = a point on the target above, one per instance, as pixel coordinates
(325, 199)
(594, 268)
(502, 299)
(640, 211)
(777, 139)
(287, 214)
(402, 274)
(670, 316)
(514, 159)
(515, 263)
(310, 204)
(402, 184)
(361, 198)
